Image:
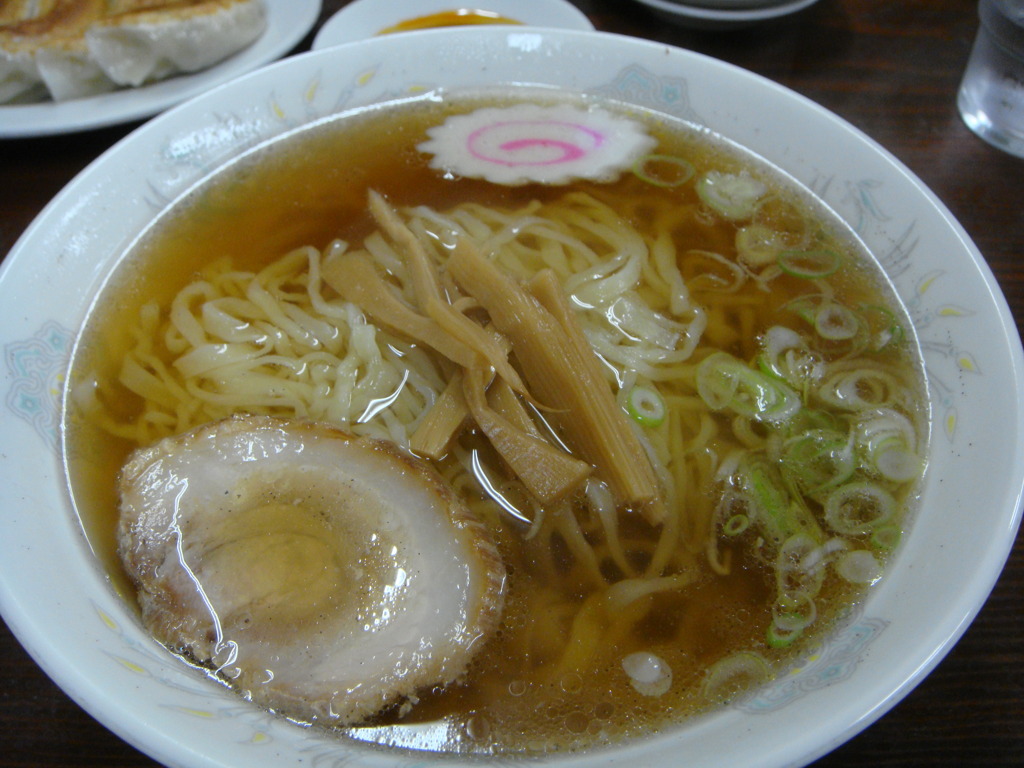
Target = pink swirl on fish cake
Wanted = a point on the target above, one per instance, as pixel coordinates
(536, 149)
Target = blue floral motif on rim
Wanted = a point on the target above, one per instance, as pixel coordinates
(636, 85)
(36, 367)
(833, 662)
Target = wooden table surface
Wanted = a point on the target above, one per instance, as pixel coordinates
(890, 67)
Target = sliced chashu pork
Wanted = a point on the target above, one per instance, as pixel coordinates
(325, 576)
(77, 48)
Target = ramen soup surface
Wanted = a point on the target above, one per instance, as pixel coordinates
(779, 512)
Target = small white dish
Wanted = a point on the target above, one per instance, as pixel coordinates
(701, 15)
(363, 19)
(288, 21)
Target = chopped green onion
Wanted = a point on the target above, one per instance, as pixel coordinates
(749, 432)
(885, 327)
(663, 170)
(809, 265)
(793, 613)
(897, 463)
(820, 556)
(717, 383)
(795, 609)
(725, 382)
(832, 321)
(734, 512)
(777, 637)
(795, 573)
(861, 389)
(810, 418)
(646, 406)
(835, 322)
(770, 497)
(735, 674)
(649, 675)
(859, 567)
(886, 537)
(736, 525)
(757, 245)
(782, 518)
(858, 508)
(785, 354)
(733, 195)
(887, 440)
(805, 307)
(884, 424)
(819, 460)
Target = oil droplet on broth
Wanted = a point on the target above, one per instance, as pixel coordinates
(477, 726)
(577, 723)
(571, 683)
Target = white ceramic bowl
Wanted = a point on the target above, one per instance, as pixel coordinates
(940, 577)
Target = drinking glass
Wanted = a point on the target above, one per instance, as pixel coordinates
(991, 97)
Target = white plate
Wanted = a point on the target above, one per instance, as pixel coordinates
(937, 582)
(363, 19)
(720, 18)
(288, 21)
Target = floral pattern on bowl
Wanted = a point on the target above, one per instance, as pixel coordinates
(35, 367)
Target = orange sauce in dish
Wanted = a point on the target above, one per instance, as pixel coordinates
(454, 18)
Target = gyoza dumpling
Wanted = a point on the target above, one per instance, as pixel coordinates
(69, 72)
(41, 43)
(143, 44)
(76, 48)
